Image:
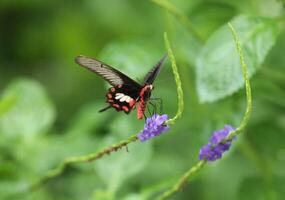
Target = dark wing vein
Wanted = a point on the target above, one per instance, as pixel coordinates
(113, 76)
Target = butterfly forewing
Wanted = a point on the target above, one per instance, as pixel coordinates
(113, 76)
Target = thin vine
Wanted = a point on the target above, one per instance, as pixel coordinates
(177, 80)
(80, 159)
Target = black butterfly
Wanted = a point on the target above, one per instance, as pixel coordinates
(125, 93)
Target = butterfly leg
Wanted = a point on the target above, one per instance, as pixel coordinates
(149, 111)
(145, 117)
(160, 103)
(154, 108)
(104, 109)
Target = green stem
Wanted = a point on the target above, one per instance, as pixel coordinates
(248, 111)
(80, 159)
(165, 4)
(199, 165)
(177, 80)
(182, 181)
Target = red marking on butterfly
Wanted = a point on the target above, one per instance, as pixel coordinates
(125, 93)
(125, 108)
(109, 96)
(116, 106)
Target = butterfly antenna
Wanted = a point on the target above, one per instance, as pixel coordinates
(104, 109)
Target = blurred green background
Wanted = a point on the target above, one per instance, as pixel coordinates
(49, 106)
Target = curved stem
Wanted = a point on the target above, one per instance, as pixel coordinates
(177, 80)
(248, 111)
(182, 181)
(80, 159)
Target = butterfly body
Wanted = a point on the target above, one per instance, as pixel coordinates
(125, 98)
(125, 93)
(144, 96)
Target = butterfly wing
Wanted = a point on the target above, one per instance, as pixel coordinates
(123, 97)
(152, 74)
(113, 76)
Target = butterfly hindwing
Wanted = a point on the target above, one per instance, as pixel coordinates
(123, 97)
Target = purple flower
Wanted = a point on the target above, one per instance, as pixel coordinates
(215, 149)
(153, 127)
(209, 153)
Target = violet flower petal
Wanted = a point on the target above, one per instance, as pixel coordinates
(215, 149)
(153, 127)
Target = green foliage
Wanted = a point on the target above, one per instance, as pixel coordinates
(33, 112)
(49, 106)
(218, 72)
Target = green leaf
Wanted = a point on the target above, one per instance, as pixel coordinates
(218, 66)
(33, 113)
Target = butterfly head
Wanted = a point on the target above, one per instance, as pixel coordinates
(149, 87)
(146, 91)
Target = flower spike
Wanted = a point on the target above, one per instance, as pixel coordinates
(154, 126)
(215, 148)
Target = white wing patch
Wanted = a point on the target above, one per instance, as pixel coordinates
(128, 99)
(121, 97)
